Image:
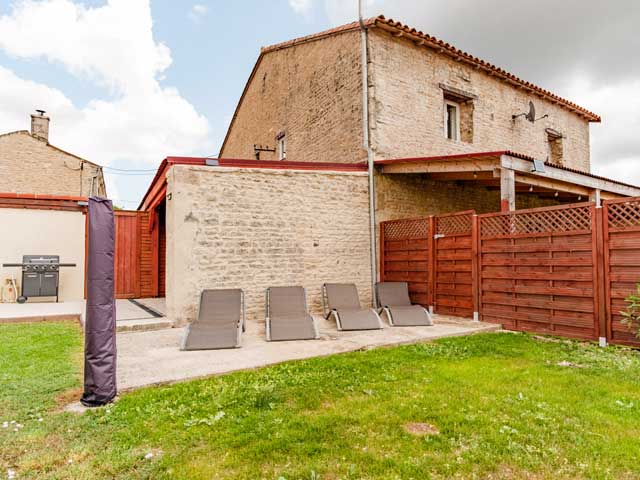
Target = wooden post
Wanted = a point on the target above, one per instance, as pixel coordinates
(475, 274)
(381, 247)
(507, 190)
(597, 230)
(595, 197)
(431, 263)
(155, 254)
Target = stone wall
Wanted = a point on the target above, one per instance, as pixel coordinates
(310, 92)
(30, 165)
(255, 228)
(407, 108)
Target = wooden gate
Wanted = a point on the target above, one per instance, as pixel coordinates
(538, 270)
(404, 256)
(127, 268)
(453, 264)
(137, 255)
(621, 264)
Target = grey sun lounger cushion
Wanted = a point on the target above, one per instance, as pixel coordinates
(219, 322)
(343, 303)
(393, 297)
(287, 315)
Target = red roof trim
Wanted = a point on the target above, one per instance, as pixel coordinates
(290, 165)
(34, 196)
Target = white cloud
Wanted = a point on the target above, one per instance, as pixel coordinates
(302, 7)
(111, 46)
(197, 12)
(340, 12)
(615, 143)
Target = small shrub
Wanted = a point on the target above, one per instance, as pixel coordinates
(631, 316)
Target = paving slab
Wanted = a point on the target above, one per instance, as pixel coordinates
(154, 357)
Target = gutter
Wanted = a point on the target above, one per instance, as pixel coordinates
(367, 146)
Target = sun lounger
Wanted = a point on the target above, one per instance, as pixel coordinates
(393, 298)
(287, 315)
(341, 300)
(220, 321)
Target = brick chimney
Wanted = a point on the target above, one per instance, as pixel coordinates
(40, 125)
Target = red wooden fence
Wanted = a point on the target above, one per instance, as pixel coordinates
(453, 258)
(621, 263)
(405, 255)
(538, 270)
(564, 270)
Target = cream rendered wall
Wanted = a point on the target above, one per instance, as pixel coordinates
(255, 228)
(45, 232)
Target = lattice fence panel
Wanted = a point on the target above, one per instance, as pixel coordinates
(406, 229)
(624, 215)
(528, 222)
(454, 224)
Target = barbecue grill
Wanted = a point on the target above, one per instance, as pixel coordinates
(40, 275)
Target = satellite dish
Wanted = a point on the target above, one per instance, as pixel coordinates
(531, 116)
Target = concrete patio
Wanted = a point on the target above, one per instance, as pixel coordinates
(147, 358)
(149, 349)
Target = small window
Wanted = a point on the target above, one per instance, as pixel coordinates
(282, 147)
(556, 150)
(452, 120)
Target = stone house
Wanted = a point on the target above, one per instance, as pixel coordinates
(29, 164)
(288, 201)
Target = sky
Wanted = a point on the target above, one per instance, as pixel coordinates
(128, 82)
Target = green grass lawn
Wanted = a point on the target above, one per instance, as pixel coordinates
(495, 406)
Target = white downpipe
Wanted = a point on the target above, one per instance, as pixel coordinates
(367, 146)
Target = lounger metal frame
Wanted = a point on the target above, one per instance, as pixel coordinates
(268, 316)
(387, 312)
(244, 317)
(333, 311)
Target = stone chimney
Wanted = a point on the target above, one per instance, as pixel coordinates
(40, 125)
